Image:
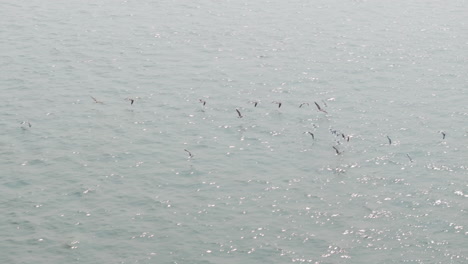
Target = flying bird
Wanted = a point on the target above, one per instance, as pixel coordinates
(337, 151)
(320, 109)
(202, 101)
(255, 103)
(239, 113)
(189, 153)
(26, 122)
(303, 104)
(131, 100)
(443, 134)
(279, 103)
(96, 101)
(389, 140)
(410, 159)
(310, 133)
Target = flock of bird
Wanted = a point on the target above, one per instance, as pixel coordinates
(26, 124)
(255, 103)
(319, 108)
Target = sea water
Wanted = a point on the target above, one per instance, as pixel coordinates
(169, 179)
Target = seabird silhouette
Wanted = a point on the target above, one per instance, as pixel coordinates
(202, 101)
(389, 140)
(189, 153)
(337, 151)
(26, 122)
(303, 104)
(239, 113)
(310, 133)
(320, 109)
(131, 100)
(443, 134)
(255, 103)
(96, 101)
(410, 159)
(279, 103)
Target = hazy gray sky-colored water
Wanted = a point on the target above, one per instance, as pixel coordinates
(382, 180)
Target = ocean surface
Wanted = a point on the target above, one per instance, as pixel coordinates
(178, 177)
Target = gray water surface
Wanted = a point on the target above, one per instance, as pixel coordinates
(111, 182)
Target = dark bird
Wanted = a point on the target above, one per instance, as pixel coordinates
(96, 101)
(348, 138)
(303, 104)
(202, 101)
(189, 153)
(279, 104)
(255, 103)
(337, 151)
(410, 159)
(239, 113)
(389, 140)
(443, 134)
(320, 109)
(131, 100)
(310, 133)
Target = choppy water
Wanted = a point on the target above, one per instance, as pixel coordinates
(111, 182)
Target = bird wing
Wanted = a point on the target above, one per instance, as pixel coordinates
(318, 106)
